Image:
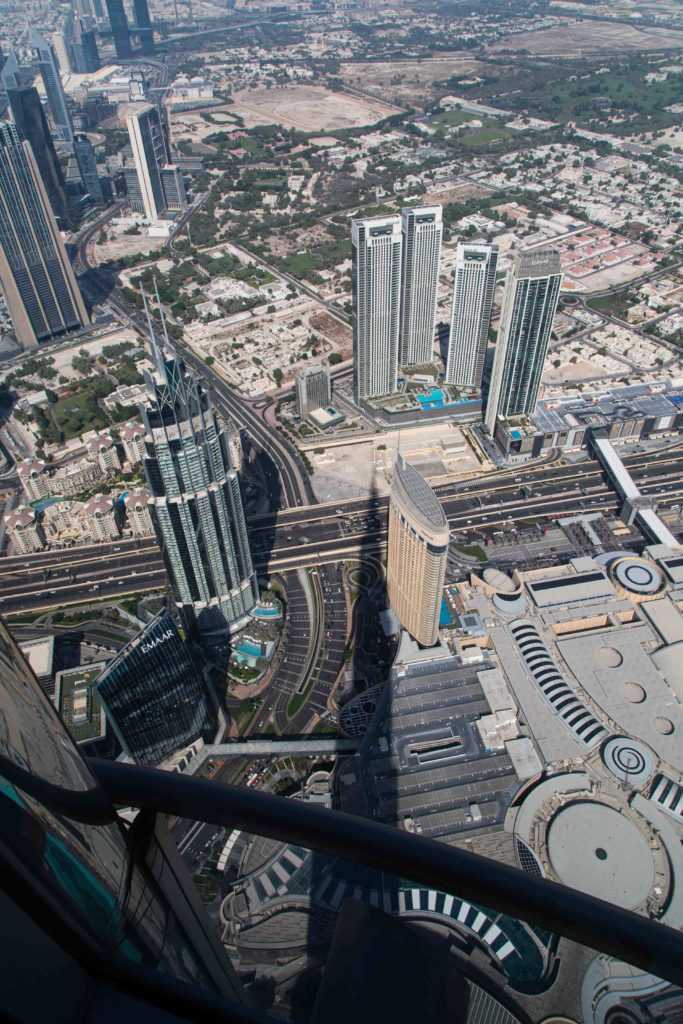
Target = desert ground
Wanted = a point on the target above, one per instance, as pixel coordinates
(583, 37)
(310, 108)
(408, 82)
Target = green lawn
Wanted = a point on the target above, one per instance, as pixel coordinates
(78, 413)
(484, 137)
(615, 304)
(473, 550)
(453, 117)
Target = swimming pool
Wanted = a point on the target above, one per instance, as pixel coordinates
(247, 647)
(266, 613)
(445, 617)
(434, 400)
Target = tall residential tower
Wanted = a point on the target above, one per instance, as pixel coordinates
(473, 288)
(532, 291)
(376, 261)
(417, 553)
(195, 500)
(422, 230)
(35, 272)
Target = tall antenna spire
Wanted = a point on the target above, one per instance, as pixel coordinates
(157, 354)
(162, 317)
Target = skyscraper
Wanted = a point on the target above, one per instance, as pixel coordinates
(195, 500)
(313, 390)
(144, 26)
(56, 100)
(417, 553)
(154, 696)
(473, 289)
(91, 53)
(150, 156)
(29, 117)
(532, 291)
(119, 29)
(376, 264)
(422, 229)
(87, 165)
(81, 47)
(35, 272)
(10, 74)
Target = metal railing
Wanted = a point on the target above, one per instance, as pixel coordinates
(584, 919)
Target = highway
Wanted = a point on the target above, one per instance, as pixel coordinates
(315, 536)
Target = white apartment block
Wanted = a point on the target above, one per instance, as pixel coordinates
(473, 289)
(133, 442)
(137, 512)
(64, 523)
(102, 450)
(23, 530)
(74, 478)
(376, 258)
(99, 518)
(422, 230)
(34, 479)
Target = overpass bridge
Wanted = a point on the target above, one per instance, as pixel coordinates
(272, 747)
(637, 507)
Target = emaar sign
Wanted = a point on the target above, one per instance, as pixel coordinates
(146, 648)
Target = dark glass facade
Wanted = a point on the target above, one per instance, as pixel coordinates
(109, 899)
(28, 115)
(144, 26)
(119, 29)
(154, 694)
(36, 276)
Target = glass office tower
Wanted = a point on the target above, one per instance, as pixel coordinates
(35, 273)
(154, 695)
(144, 26)
(29, 117)
(79, 899)
(148, 144)
(56, 99)
(119, 29)
(196, 503)
(532, 291)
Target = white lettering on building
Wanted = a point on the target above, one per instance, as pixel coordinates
(146, 648)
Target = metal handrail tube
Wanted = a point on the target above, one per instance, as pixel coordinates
(577, 916)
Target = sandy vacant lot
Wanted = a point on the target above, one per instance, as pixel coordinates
(408, 81)
(310, 108)
(590, 36)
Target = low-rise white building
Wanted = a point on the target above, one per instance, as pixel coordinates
(64, 524)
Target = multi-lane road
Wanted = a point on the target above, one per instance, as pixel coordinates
(322, 534)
